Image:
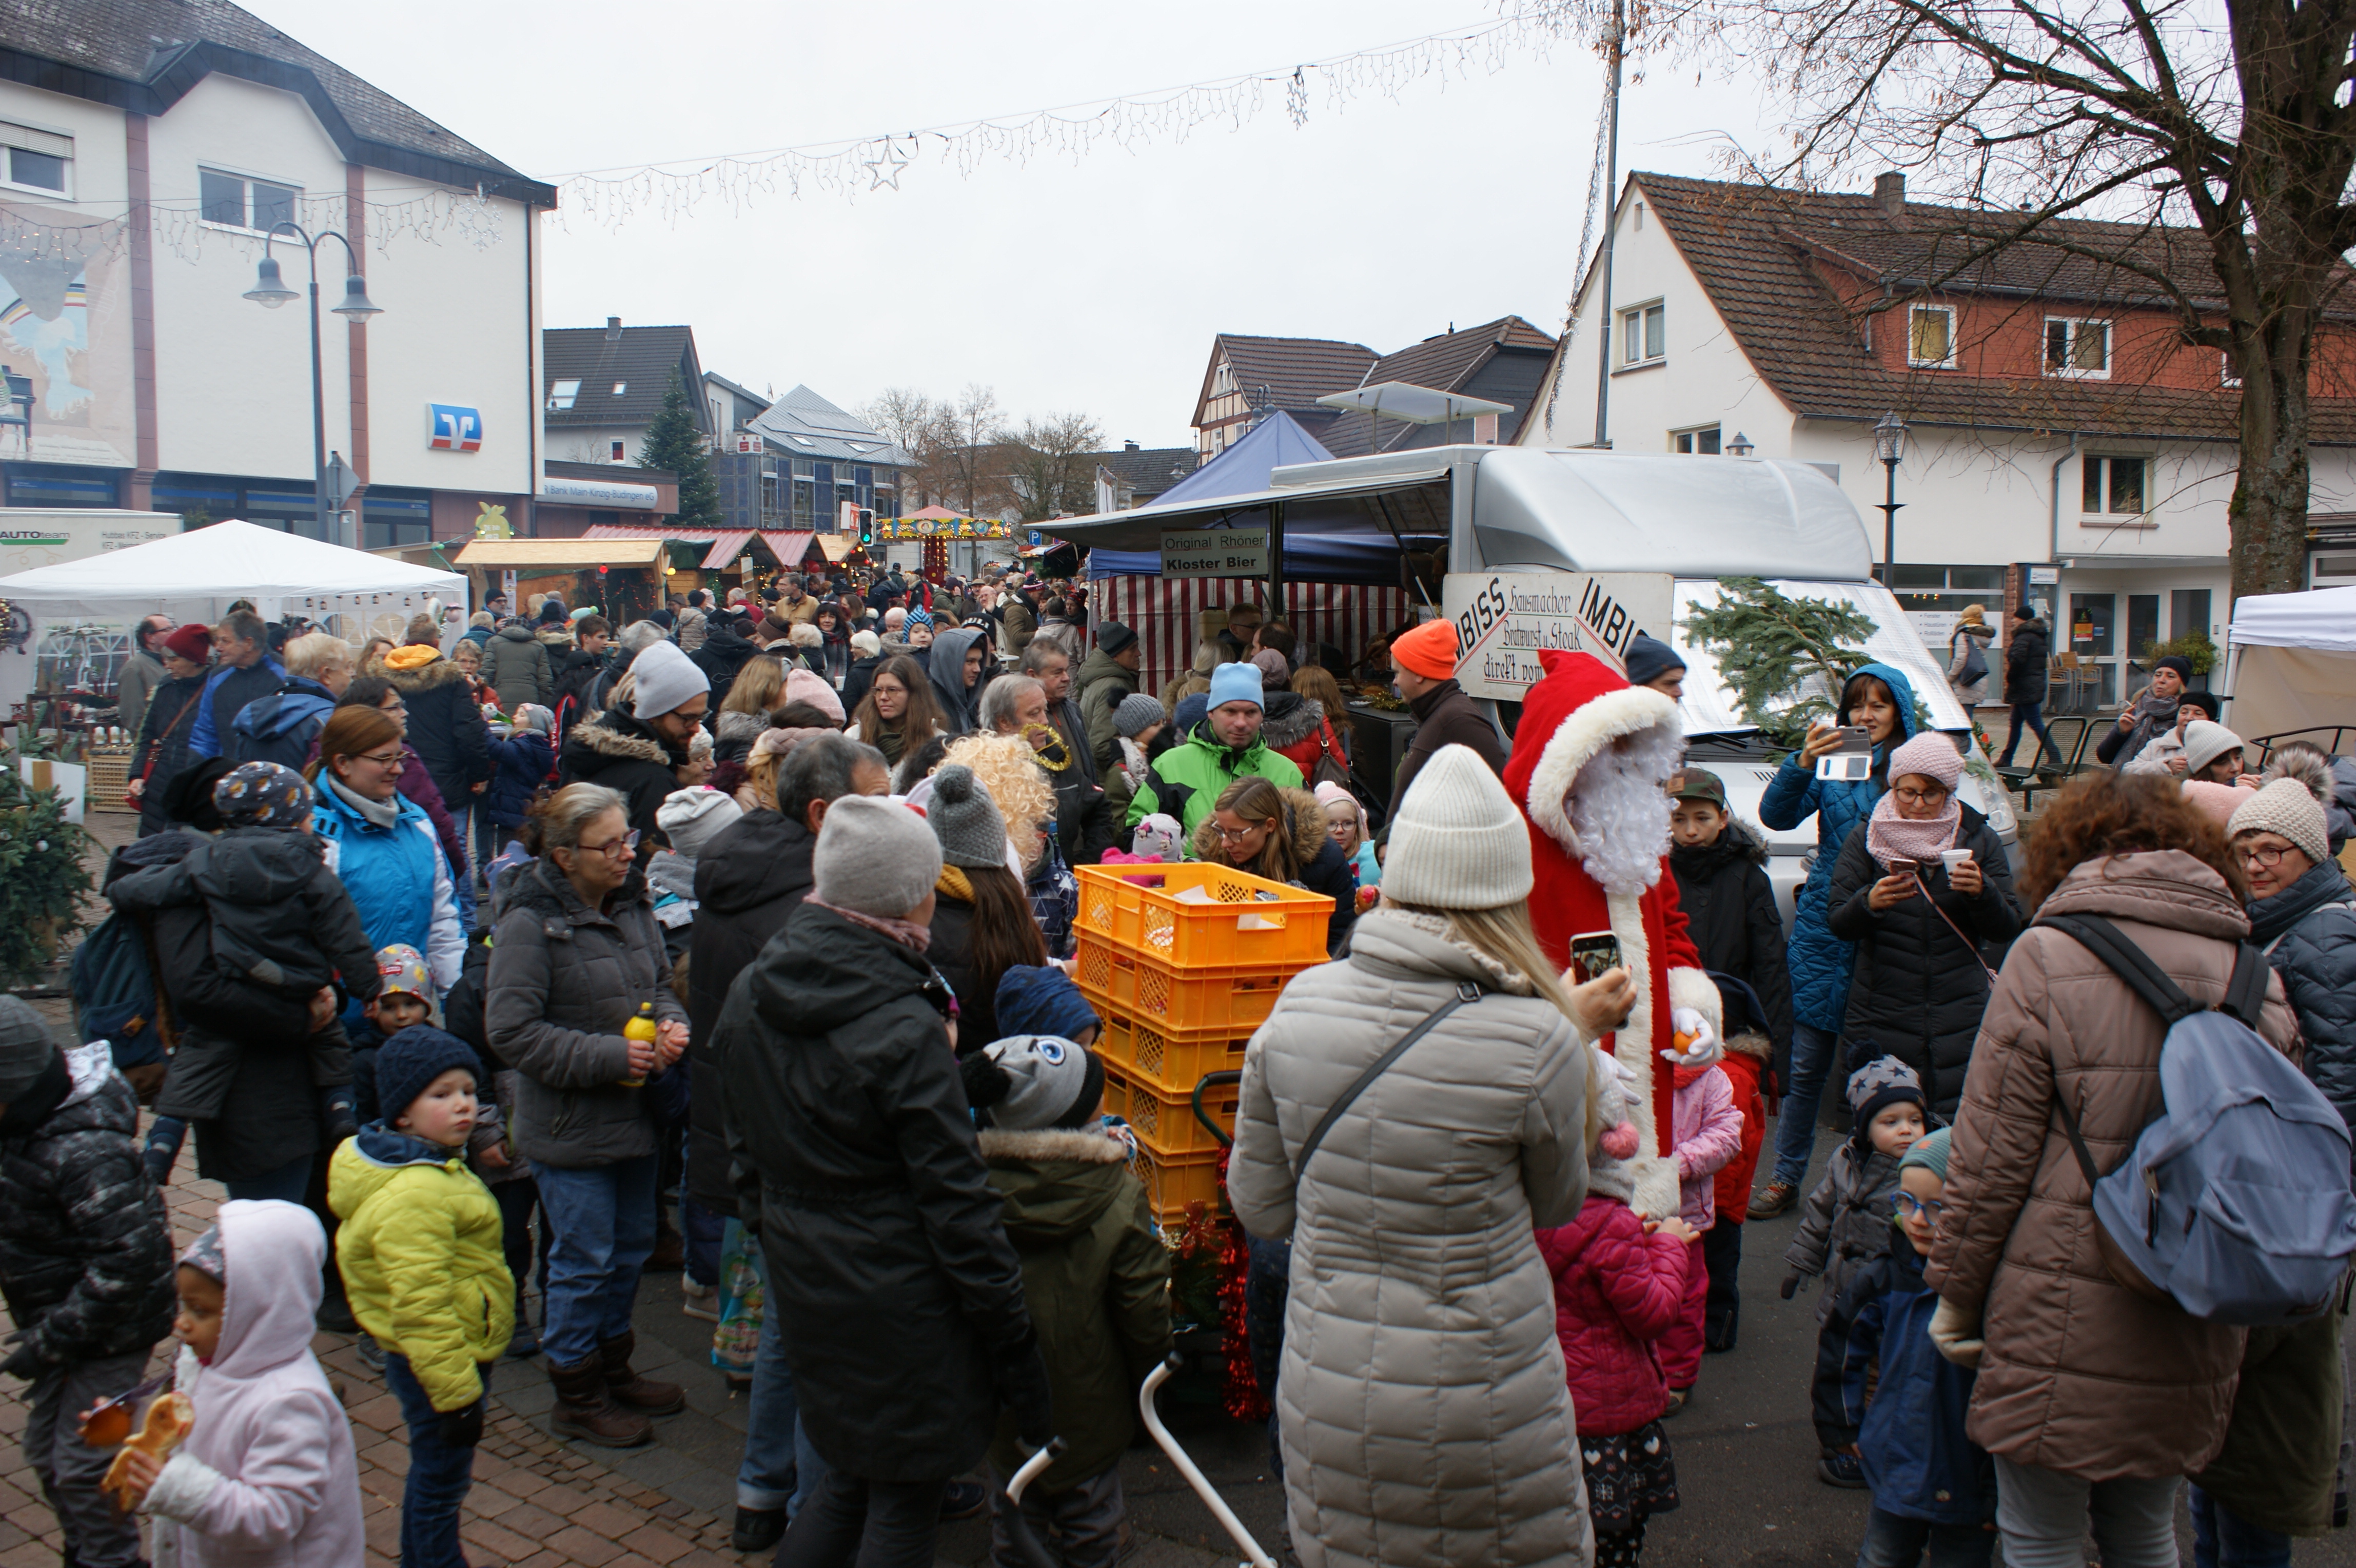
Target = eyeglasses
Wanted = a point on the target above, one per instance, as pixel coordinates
(2262, 855)
(1920, 797)
(382, 760)
(613, 849)
(1232, 834)
(1909, 1205)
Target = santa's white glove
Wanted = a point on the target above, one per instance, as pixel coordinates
(1702, 1047)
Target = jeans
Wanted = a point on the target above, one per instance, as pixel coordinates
(877, 1524)
(1080, 1526)
(289, 1183)
(2044, 1516)
(2223, 1539)
(603, 1221)
(1813, 1053)
(780, 1468)
(2033, 715)
(439, 1473)
(1721, 1250)
(487, 833)
(96, 1535)
(1892, 1541)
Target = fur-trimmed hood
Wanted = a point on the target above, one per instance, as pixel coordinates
(1750, 1043)
(435, 672)
(1288, 718)
(1304, 822)
(1054, 1184)
(601, 736)
(1581, 706)
(1084, 1145)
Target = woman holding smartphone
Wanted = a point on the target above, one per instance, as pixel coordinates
(1879, 700)
(1924, 890)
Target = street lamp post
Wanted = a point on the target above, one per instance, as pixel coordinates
(270, 291)
(1890, 446)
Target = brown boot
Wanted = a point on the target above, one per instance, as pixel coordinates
(584, 1410)
(627, 1389)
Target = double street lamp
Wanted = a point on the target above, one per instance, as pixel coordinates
(270, 290)
(1890, 446)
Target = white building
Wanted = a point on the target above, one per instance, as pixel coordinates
(149, 144)
(2063, 444)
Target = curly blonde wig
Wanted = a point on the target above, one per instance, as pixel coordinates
(1004, 766)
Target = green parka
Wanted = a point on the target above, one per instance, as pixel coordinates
(1187, 779)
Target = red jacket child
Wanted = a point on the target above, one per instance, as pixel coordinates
(1745, 1060)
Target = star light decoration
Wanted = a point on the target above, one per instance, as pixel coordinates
(884, 169)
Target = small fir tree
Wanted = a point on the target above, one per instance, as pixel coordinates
(41, 876)
(674, 445)
(1785, 659)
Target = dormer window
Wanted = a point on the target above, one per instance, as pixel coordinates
(561, 393)
(1931, 337)
(2077, 349)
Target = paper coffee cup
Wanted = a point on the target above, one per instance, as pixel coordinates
(1952, 859)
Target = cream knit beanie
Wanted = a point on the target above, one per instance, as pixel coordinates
(2289, 808)
(1457, 842)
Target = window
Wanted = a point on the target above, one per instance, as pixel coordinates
(2188, 611)
(621, 387)
(2225, 376)
(1933, 598)
(237, 202)
(1930, 336)
(1702, 442)
(2143, 624)
(561, 393)
(615, 452)
(1643, 334)
(2077, 349)
(37, 160)
(2113, 486)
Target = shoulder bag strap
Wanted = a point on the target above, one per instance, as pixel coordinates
(1970, 946)
(1465, 992)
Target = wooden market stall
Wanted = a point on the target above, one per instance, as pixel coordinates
(625, 578)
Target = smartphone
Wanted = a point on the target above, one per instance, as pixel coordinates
(1851, 759)
(1594, 953)
(1902, 867)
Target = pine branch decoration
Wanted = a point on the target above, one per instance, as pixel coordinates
(1785, 659)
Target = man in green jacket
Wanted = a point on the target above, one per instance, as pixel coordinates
(1187, 779)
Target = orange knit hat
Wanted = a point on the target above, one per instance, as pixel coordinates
(1430, 649)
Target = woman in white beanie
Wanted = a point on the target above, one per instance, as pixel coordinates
(1421, 1399)
(2212, 752)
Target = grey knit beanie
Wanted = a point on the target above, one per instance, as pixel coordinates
(1884, 1081)
(965, 820)
(1457, 842)
(2289, 808)
(25, 1046)
(2205, 742)
(1047, 1076)
(1137, 714)
(667, 680)
(875, 856)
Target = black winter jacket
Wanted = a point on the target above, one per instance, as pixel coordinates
(164, 740)
(576, 672)
(1445, 715)
(725, 650)
(857, 1167)
(445, 730)
(751, 877)
(2025, 649)
(1730, 913)
(281, 920)
(85, 1249)
(2309, 932)
(1917, 992)
(618, 751)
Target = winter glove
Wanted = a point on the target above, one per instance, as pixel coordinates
(462, 1428)
(1702, 1046)
(1018, 1374)
(1790, 1285)
(1955, 1335)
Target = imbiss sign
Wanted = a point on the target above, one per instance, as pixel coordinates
(1505, 620)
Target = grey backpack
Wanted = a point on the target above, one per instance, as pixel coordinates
(2234, 1203)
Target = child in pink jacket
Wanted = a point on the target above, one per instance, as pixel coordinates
(1617, 1289)
(1707, 1132)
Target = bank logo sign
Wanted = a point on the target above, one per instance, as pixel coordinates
(450, 427)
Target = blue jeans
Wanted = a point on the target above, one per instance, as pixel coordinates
(288, 1184)
(603, 1221)
(1893, 1540)
(2223, 1539)
(439, 1473)
(780, 1468)
(2033, 715)
(1814, 1051)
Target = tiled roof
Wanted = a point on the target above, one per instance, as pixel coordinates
(1296, 372)
(1149, 471)
(144, 55)
(639, 359)
(1758, 250)
(1446, 358)
(806, 425)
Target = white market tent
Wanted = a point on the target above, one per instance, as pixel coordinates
(2294, 664)
(197, 574)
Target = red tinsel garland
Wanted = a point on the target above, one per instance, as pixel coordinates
(1241, 1396)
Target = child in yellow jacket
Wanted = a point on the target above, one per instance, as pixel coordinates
(419, 1248)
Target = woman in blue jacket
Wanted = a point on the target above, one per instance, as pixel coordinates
(381, 844)
(1881, 699)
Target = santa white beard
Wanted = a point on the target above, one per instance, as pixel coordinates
(1618, 807)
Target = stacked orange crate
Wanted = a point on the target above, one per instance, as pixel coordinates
(1183, 962)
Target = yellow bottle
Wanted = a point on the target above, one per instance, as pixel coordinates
(642, 1029)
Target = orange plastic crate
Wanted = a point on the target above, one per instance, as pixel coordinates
(1164, 1121)
(1171, 1061)
(1248, 920)
(1173, 1181)
(1227, 998)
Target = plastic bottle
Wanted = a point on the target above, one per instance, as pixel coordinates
(640, 1028)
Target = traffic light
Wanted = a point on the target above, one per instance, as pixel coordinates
(866, 526)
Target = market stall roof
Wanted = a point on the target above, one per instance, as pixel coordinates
(938, 511)
(1274, 443)
(518, 555)
(836, 547)
(2324, 618)
(724, 548)
(224, 561)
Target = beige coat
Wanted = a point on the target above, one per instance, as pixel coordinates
(2080, 1374)
(1426, 1420)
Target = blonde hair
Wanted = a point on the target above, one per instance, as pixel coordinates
(1004, 766)
(315, 653)
(757, 685)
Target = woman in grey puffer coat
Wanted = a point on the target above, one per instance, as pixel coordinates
(1424, 1415)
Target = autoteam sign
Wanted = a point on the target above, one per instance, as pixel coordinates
(1505, 620)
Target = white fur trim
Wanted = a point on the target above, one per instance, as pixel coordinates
(1585, 732)
(1656, 1194)
(1081, 1146)
(183, 1489)
(1692, 988)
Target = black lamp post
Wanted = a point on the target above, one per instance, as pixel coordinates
(271, 291)
(1890, 446)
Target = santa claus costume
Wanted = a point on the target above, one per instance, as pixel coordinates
(1591, 757)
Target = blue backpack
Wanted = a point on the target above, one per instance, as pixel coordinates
(116, 998)
(2234, 1203)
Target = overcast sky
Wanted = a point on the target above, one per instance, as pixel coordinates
(1094, 287)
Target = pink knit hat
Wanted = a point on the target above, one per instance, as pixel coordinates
(2218, 802)
(806, 686)
(1931, 754)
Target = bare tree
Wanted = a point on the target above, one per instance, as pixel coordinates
(1050, 465)
(922, 428)
(2235, 123)
(972, 463)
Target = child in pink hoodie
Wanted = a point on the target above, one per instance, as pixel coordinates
(267, 1478)
(1707, 1129)
(1618, 1287)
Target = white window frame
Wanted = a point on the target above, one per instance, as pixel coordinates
(16, 133)
(562, 394)
(616, 450)
(2074, 323)
(1693, 432)
(2225, 376)
(2105, 459)
(246, 182)
(1635, 315)
(1913, 363)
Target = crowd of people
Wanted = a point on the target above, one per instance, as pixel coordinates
(512, 963)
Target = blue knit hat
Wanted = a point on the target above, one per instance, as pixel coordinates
(1040, 999)
(1234, 683)
(411, 1060)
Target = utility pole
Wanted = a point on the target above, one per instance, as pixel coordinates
(1616, 41)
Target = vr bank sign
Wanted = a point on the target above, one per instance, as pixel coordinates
(450, 427)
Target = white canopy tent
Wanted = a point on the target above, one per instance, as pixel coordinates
(2293, 665)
